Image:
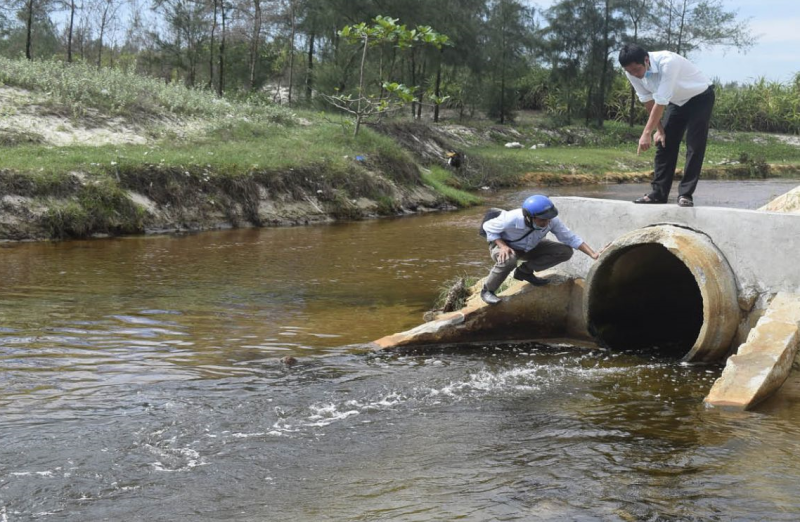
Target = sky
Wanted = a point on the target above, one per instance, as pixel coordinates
(776, 54)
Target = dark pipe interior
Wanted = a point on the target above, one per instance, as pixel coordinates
(645, 298)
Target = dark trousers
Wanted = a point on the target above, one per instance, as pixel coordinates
(691, 118)
(545, 255)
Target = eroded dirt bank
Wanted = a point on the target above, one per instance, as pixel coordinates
(153, 198)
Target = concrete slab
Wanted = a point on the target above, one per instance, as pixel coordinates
(526, 312)
(764, 362)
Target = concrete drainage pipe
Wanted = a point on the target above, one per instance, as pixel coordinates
(666, 287)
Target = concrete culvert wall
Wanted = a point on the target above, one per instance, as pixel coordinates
(666, 287)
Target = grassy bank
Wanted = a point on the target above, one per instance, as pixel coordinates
(609, 154)
(184, 158)
(219, 177)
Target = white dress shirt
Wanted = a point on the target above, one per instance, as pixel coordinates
(510, 227)
(673, 79)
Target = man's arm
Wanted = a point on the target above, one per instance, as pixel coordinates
(653, 123)
(586, 249)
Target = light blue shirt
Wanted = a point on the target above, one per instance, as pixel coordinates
(510, 227)
(671, 79)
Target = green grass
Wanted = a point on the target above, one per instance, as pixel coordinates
(729, 146)
(230, 150)
(507, 166)
(438, 179)
(512, 162)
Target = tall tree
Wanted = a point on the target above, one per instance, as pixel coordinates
(71, 6)
(255, 43)
(293, 30)
(106, 12)
(612, 27)
(508, 39)
(37, 27)
(221, 57)
(639, 14)
(186, 32)
(705, 23)
(567, 48)
(214, 17)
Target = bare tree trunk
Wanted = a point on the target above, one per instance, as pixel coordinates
(588, 109)
(107, 17)
(256, 42)
(221, 87)
(669, 25)
(361, 88)
(100, 40)
(310, 68)
(601, 98)
(291, 51)
(84, 34)
(680, 31)
(421, 91)
(211, 48)
(28, 30)
(633, 91)
(413, 80)
(503, 76)
(69, 32)
(437, 88)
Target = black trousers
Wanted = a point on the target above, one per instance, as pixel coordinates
(691, 118)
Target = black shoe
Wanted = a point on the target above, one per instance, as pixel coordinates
(532, 279)
(685, 201)
(649, 199)
(489, 297)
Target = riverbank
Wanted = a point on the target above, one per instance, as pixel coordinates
(126, 155)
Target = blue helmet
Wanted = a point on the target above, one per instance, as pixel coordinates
(539, 206)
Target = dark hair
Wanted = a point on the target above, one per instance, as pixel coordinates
(631, 53)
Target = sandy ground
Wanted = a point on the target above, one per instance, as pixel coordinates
(22, 112)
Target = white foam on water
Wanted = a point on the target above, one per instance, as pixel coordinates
(528, 379)
(248, 435)
(177, 459)
(522, 379)
(328, 414)
(32, 473)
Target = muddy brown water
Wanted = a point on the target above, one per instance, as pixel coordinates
(140, 380)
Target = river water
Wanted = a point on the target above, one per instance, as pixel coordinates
(140, 379)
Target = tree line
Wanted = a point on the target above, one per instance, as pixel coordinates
(492, 56)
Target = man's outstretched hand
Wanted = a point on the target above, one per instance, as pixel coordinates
(644, 142)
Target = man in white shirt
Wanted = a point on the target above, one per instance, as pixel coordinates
(518, 235)
(669, 85)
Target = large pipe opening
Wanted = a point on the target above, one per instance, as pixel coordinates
(646, 298)
(665, 288)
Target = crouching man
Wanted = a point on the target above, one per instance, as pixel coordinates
(518, 235)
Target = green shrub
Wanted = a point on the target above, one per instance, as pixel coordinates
(761, 106)
(100, 207)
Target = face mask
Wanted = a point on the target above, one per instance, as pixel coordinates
(537, 227)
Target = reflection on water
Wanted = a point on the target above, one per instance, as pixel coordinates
(140, 380)
(509, 432)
